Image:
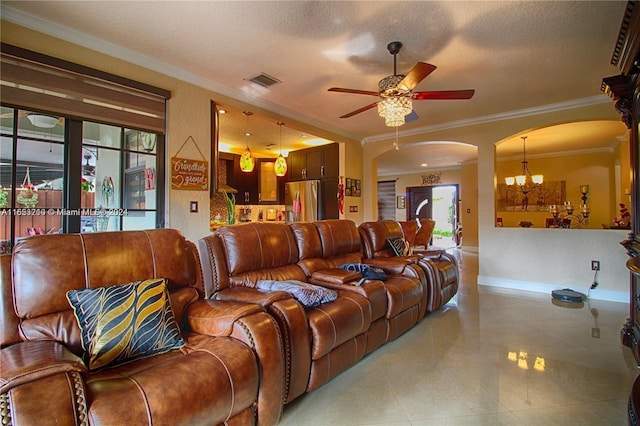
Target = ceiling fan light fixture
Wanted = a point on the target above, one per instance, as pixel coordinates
(394, 110)
(43, 121)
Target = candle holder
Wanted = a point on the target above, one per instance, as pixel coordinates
(565, 218)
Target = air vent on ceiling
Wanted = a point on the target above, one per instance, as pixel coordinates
(264, 80)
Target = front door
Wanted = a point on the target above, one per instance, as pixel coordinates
(440, 203)
(420, 202)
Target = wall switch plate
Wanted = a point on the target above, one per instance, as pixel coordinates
(193, 206)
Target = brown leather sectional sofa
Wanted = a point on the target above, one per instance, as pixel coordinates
(247, 352)
(230, 369)
(319, 342)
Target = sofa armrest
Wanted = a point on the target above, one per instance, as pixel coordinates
(217, 317)
(292, 322)
(335, 276)
(251, 295)
(44, 383)
(390, 265)
(250, 324)
(31, 361)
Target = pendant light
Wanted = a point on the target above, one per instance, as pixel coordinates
(525, 180)
(280, 166)
(247, 160)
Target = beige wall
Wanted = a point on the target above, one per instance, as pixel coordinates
(529, 259)
(351, 168)
(469, 205)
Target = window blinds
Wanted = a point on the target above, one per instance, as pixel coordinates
(40, 82)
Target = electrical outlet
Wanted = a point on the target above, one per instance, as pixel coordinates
(595, 265)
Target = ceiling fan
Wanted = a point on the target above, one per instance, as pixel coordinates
(396, 92)
(37, 120)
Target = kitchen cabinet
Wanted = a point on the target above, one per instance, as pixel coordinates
(319, 163)
(261, 186)
(245, 182)
(314, 163)
(270, 186)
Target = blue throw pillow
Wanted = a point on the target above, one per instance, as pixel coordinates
(126, 322)
(367, 271)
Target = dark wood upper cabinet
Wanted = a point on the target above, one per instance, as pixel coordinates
(320, 162)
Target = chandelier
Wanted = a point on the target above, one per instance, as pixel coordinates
(567, 217)
(247, 160)
(394, 110)
(525, 180)
(280, 167)
(396, 103)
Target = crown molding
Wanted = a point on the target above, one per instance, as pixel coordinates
(509, 115)
(61, 32)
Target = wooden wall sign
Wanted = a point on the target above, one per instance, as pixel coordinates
(189, 174)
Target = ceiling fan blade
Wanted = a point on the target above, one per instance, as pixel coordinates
(444, 94)
(354, 91)
(358, 111)
(416, 75)
(412, 116)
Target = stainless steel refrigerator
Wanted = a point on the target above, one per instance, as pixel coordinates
(301, 201)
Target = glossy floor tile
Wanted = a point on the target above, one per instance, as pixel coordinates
(489, 357)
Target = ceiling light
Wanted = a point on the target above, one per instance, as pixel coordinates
(393, 109)
(280, 165)
(43, 121)
(247, 160)
(525, 180)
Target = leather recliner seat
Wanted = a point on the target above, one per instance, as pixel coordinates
(229, 371)
(440, 267)
(328, 244)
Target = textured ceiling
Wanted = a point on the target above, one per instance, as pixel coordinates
(515, 54)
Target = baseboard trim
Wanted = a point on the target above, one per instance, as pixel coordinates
(608, 295)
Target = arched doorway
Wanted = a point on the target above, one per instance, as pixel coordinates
(440, 203)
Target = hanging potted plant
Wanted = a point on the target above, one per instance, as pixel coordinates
(4, 198)
(28, 195)
(87, 185)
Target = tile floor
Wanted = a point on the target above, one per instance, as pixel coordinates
(489, 357)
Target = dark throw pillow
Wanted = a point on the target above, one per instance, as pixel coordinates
(367, 271)
(123, 323)
(399, 246)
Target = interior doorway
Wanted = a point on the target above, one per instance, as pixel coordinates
(440, 203)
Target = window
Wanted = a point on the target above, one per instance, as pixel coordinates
(79, 149)
(53, 179)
